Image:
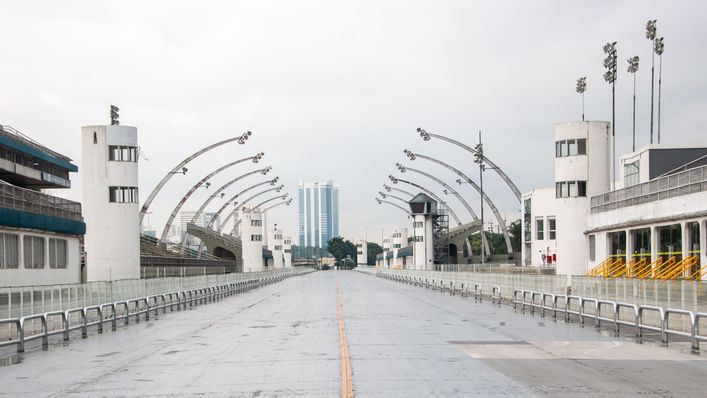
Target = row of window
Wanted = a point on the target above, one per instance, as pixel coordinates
(418, 239)
(287, 242)
(119, 153)
(278, 247)
(256, 223)
(397, 245)
(397, 235)
(256, 238)
(540, 229)
(570, 147)
(360, 253)
(277, 237)
(34, 252)
(570, 189)
(122, 194)
(288, 250)
(417, 224)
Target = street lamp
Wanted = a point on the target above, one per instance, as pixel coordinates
(659, 47)
(581, 88)
(632, 69)
(182, 171)
(610, 77)
(651, 30)
(479, 159)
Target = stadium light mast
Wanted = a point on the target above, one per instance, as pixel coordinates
(659, 47)
(632, 69)
(651, 30)
(581, 88)
(610, 77)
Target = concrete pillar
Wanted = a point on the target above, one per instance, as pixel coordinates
(629, 246)
(684, 240)
(655, 243)
(703, 242)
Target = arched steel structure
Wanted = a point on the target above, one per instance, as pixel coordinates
(427, 136)
(468, 208)
(395, 180)
(178, 168)
(389, 188)
(196, 186)
(468, 180)
(384, 195)
(381, 201)
(284, 202)
(234, 197)
(215, 194)
(271, 199)
(223, 224)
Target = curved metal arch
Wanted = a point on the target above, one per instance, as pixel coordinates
(437, 198)
(432, 194)
(234, 197)
(241, 140)
(284, 202)
(215, 194)
(380, 201)
(196, 186)
(271, 199)
(384, 195)
(500, 172)
(444, 184)
(389, 188)
(223, 224)
(488, 200)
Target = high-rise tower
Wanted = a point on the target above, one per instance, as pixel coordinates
(318, 214)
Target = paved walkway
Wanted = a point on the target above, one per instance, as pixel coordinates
(283, 340)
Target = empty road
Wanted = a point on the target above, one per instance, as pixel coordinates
(401, 341)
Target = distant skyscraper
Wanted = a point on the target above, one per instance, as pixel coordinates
(318, 213)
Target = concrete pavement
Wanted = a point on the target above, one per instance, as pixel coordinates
(283, 340)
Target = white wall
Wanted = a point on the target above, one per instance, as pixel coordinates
(276, 247)
(22, 276)
(287, 251)
(361, 252)
(112, 240)
(423, 252)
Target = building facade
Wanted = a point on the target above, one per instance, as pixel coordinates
(318, 213)
(110, 199)
(39, 233)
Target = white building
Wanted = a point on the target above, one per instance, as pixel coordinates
(275, 245)
(362, 253)
(251, 232)
(423, 208)
(657, 212)
(287, 251)
(110, 201)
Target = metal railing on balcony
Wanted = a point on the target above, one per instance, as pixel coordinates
(13, 134)
(671, 186)
(27, 200)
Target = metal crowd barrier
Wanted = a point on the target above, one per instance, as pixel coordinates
(123, 310)
(564, 304)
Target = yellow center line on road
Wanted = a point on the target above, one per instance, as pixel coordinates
(346, 372)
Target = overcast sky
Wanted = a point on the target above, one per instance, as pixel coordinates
(334, 90)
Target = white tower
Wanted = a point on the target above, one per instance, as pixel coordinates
(362, 253)
(423, 209)
(251, 232)
(110, 202)
(275, 243)
(287, 251)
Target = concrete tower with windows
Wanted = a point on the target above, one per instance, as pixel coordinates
(110, 202)
(423, 209)
(275, 245)
(287, 251)
(251, 232)
(361, 253)
(555, 218)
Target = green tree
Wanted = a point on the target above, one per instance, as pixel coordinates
(340, 248)
(516, 231)
(374, 249)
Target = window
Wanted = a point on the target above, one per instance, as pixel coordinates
(558, 149)
(122, 194)
(397, 235)
(396, 246)
(256, 238)
(631, 174)
(288, 250)
(277, 237)
(57, 253)
(33, 251)
(386, 240)
(582, 146)
(417, 224)
(418, 238)
(256, 223)
(118, 153)
(288, 242)
(570, 189)
(563, 148)
(551, 229)
(9, 251)
(572, 147)
(592, 247)
(539, 229)
(278, 247)
(359, 245)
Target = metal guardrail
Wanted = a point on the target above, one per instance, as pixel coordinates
(112, 312)
(674, 185)
(16, 135)
(580, 307)
(21, 199)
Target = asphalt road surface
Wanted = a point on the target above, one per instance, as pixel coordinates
(401, 341)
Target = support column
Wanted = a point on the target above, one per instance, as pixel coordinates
(655, 243)
(684, 240)
(703, 242)
(629, 246)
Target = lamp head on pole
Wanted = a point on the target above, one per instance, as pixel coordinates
(651, 29)
(266, 170)
(258, 156)
(409, 154)
(387, 187)
(244, 137)
(380, 202)
(400, 167)
(393, 179)
(381, 194)
(423, 134)
(659, 46)
(582, 85)
(632, 65)
(274, 181)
